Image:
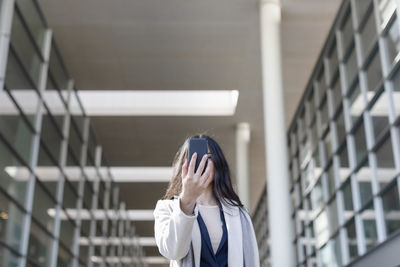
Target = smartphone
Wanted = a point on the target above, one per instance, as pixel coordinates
(199, 145)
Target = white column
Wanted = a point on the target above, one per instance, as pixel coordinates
(280, 230)
(242, 163)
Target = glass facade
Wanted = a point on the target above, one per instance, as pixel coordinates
(59, 205)
(344, 142)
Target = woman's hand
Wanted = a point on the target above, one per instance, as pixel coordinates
(193, 183)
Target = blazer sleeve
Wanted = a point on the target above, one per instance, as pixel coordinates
(173, 228)
(253, 240)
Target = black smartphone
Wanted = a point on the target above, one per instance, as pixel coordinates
(200, 146)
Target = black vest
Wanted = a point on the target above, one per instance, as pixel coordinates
(208, 258)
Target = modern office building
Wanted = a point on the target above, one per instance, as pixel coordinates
(96, 97)
(344, 146)
(55, 183)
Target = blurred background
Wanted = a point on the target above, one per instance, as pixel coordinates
(97, 96)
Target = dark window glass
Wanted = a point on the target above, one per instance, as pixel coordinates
(7, 257)
(330, 180)
(58, 70)
(351, 239)
(51, 135)
(360, 142)
(67, 233)
(336, 94)
(364, 178)
(43, 207)
(393, 41)
(14, 128)
(374, 73)
(351, 68)
(386, 169)
(333, 60)
(13, 175)
(19, 87)
(348, 200)
(47, 171)
(380, 115)
(368, 34)
(357, 104)
(333, 216)
(391, 207)
(33, 19)
(369, 222)
(362, 6)
(39, 248)
(344, 164)
(65, 258)
(396, 87)
(347, 30)
(10, 223)
(340, 128)
(25, 49)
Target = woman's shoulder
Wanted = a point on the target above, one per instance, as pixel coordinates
(167, 204)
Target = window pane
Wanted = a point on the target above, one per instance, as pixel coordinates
(374, 73)
(396, 87)
(393, 42)
(25, 49)
(330, 181)
(43, 207)
(333, 216)
(47, 171)
(39, 246)
(13, 175)
(340, 128)
(57, 69)
(348, 201)
(336, 94)
(7, 257)
(333, 60)
(386, 170)
(14, 128)
(357, 104)
(51, 135)
(347, 30)
(64, 258)
(33, 20)
(360, 142)
(380, 115)
(317, 199)
(368, 34)
(368, 217)
(321, 228)
(362, 8)
(344, 164)
(351, 67)
(351, 239)
(10, 223)
(391, 207)
(67, 233)
(364, 178)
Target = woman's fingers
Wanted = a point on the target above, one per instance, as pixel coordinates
(201, 165)
(192, 164)
(208, 174)
(184, 169)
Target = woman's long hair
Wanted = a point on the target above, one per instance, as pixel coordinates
(222, 185)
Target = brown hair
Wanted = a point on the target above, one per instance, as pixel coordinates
(222, 185)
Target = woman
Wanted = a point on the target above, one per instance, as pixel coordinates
(201, 221)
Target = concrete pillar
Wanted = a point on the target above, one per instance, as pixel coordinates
(242, 163)
(280, 229)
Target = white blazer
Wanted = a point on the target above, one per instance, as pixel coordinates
(174, 231)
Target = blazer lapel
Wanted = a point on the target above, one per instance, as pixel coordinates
(196, 242)
(234, 228)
